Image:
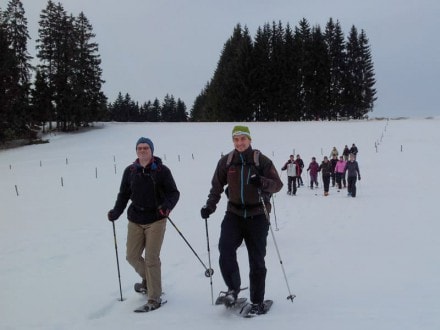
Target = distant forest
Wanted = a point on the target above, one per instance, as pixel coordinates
(281, 75)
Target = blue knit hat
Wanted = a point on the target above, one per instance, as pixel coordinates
(147, 141)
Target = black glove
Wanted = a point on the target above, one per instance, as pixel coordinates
(359, 177)
(255, 179)
(164, 211)
(112, 216)
(205, 212)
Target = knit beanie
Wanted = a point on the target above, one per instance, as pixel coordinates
(241, 130)
(147, 141)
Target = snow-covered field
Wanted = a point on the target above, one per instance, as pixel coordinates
(370, 262)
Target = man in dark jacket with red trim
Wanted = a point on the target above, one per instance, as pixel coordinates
(248, 183)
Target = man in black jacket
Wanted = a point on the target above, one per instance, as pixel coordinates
(150, 186)
(250, 177)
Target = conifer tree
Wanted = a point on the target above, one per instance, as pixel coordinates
(320, 79)
(353, 76)
(15, 25)
(181, 114)
(368, 91)
(334, 39)
(87, 83)
(260, 73)
(9, 85)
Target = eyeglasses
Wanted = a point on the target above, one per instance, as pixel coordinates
(143, 148)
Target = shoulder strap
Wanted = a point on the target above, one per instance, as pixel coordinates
(229, 160)
(256, 158)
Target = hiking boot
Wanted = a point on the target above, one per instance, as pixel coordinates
(153, 304)
(257, 309)
(141, 287)
(230, 297)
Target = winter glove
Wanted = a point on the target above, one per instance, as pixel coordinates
(255, 179)
(112, 216)
(205, 212)
(163, 211)
(359, 177)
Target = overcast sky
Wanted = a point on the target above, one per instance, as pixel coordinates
(151, 48)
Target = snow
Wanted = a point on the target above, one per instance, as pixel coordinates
(370, 262)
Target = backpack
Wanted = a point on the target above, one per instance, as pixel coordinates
(256, 159)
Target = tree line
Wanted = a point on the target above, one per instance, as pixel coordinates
(127, 110)
(287, 74)
(283, 74)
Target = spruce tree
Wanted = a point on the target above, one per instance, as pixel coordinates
(292, 86)
(87, 83)
(9, 86)
(368, 91)
(334, 39)
(320, 79)
(229, 94)
(303, 39)
(41, 101)
(16, 25)
(353, 76)
(181, 114)
(260, 74)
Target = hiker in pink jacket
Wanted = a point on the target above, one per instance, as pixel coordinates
(340, 173)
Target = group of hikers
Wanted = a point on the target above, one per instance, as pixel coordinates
(332, 168)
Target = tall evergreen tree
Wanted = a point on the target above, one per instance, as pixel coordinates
(48, 46)
(260, 74)
(156, 110)
(320, 80)
(87, 83)
(9, 86)
(169, 106)
(277, 87)
(16, 25)
(292, 97)
(229, 92)
(353, 76)
(303, 39)
(41, 101)
(368, 91)
(181, 114)
(336, 52)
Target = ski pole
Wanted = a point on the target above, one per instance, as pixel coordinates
(117, 260)
(208, 271)
(209, 259)
(274, 213)
(290, 296)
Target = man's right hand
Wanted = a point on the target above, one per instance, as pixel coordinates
(205, 212)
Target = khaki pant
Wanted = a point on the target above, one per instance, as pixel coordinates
(148, 238)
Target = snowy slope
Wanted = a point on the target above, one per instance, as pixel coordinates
(370, 262)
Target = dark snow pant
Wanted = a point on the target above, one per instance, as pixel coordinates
(340, 178)
(300, 180)
(253, 231)
(291, 184)
(333, 176)
(351, 188)
(326, 182)
(313, 180)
